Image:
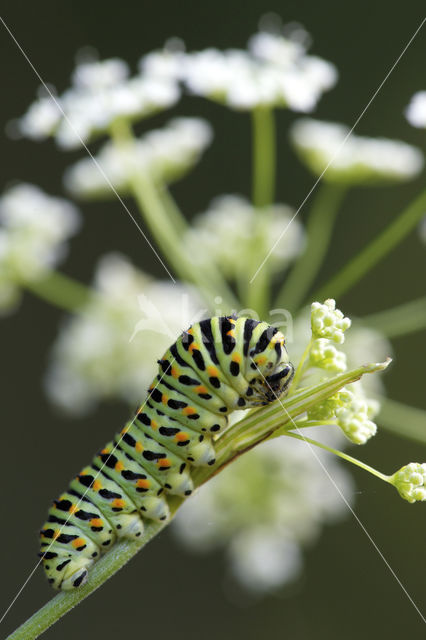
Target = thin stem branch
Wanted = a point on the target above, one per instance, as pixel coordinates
(167, 225)
(60, 290)
(238, 439)
(399, 321)
(364, 262)
(263, 156)
(319, 230)
(336, 452)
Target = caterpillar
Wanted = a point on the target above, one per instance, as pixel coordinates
(215, 367)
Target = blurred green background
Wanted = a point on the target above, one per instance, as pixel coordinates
(346, 590)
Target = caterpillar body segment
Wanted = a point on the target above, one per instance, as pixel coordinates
(215, 367)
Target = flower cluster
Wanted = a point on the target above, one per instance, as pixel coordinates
(416, 110)
(411, 482)
(165, 154)
(328, 322)
(263, 509)
(33, 231)
(111, 348)
(352, 159)
(228, 233)
(351, 410)
(275, 71)
(325, 356)
(100, 93)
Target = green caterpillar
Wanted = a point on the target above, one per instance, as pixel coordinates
(215, 367)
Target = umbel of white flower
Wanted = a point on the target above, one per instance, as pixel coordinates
(350, 159)
(229, 232)
(411, 481)
(326, 356)
(328, 322)
(165, 154)
(416, 110)
(275, 71)
(110, 349)
(33, 229)
(263, 509)
(100, 93)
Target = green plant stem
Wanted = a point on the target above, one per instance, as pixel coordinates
(408, 422)
(364, 262)
(399, 321)
(300, 366)
(263, 156)
(61, 291)
(167, 226)
(342, 455)
(319, 230)
(238, 439)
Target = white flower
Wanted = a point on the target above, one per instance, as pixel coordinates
(111, 348)
(100, 93)
(264, 508)
(354, 414)
(228, 232)
(325, 356)
(416, 110)
(328, 322)
(275, 72)
(411, 482)
(165, 63)
(353, 159)
(166, 154)
(34, 227)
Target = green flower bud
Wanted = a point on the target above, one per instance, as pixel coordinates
(411, 481)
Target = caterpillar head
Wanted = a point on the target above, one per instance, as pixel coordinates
(269, 371)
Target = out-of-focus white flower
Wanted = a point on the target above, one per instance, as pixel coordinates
(100, 93)
(263, 508)
(353, 159)
(362, 345)
(416, 110)
(33, 229)
(411, 482)
(111, 347)
(328, 322)
(167, 62)
(228, 233)
(166, 154)
(275, 72)
(325, 356)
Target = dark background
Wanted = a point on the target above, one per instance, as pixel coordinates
(346, 590)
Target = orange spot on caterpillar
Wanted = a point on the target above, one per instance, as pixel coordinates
(236, 357)
(174, 372)
(78, 542)
(154, 424)
(188, 411)
(193, 346)
(138, 446)
(212, 371)
(143, 483)
(260, 360)
(102, 451)
(164, 463)
(182, 436)
(96, 522)
(73, 508)
(118, 503)
(201, 389)
(231, 333)
(97, 485)
(56, 534)
(164, 398)
(119, 466)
